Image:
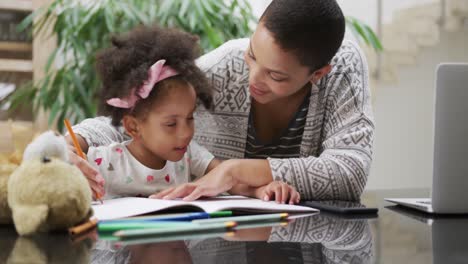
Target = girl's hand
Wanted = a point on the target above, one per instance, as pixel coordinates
(280, 191)
(215, 182)
(95, 179)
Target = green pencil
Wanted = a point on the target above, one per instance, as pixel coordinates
(216, 227)
(220, 214)
(108, 236)
(107, 227)
(240, 220)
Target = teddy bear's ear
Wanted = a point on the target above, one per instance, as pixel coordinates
(48, 144)
(29, 218)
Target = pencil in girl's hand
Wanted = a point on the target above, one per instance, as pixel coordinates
(79, 151)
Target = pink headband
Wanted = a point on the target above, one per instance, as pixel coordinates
(156, 73)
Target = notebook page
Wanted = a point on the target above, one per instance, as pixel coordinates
(131, 206)
(236, 202)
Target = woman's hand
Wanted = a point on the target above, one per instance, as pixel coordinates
(280, 191)
(95, 179)
(218, 180)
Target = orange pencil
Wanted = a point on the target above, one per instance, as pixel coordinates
(77, 147)
(79, 229)
(79, 151)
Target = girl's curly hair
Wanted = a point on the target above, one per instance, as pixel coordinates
(125, 65)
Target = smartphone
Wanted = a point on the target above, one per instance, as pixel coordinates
(340, 207)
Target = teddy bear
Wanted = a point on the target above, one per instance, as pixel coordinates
(46, 192)
(5, 213)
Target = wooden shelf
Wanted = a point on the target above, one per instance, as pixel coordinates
(16, 5)
(15, 46)
(10, 65)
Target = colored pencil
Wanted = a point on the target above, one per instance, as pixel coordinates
(217, 227)
(172, 217)
(220, 214)
(244, 219)
(79, 229)
(79, 151)
(108, 227)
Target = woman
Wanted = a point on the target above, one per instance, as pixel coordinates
(291, 106)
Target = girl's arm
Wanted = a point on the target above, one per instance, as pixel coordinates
(95, 132)
(98, 131)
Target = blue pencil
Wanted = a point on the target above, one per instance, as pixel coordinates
(129, 225)
(171, 217)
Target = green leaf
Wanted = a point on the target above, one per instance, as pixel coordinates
(53, 112)
(183, 9)
(364, 33)
(61, 117)
(50, 60)
(374, 40)
(199, 8)
(27, 22)
(110, 20)
(85, 22)
(80, 88)
(207, 6)
(192, 21)
(361, 32)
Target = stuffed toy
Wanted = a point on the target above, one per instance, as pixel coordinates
(5, 213)
(46, 192)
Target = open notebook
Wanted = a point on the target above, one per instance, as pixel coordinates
(133, 206)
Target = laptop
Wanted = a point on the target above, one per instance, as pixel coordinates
(450, 171)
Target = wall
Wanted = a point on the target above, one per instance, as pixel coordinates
(404, 116)
(365, 10)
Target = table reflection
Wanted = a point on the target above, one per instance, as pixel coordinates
(43, 248)
(313, 239)
(449, 234)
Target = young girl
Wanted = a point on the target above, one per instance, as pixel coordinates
(150, 85)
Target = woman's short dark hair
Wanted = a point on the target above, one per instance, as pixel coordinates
(312, 29)
(125, 65)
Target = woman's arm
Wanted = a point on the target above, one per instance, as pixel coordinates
(220, 178)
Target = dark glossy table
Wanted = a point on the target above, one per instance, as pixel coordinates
(396, 236)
